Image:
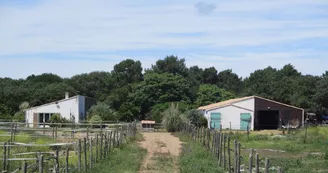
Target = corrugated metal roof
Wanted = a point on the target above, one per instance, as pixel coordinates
(231, 101)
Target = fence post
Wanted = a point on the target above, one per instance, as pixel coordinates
(91, 158)
(230, 126)
(224, 152)
(41, 163)
(79, 156)
(97, 143)
(56, 128)
(85, 155)
(238, 157)
(87, 132)
(8, 154)
(24, 167)
(57, 161)
(101, 145)
(267, 165)
(250, 165)
(208, 138)
(110, 141)
(53, 133)
(235, 156)
(44, 127)
(66, 159)
(213, 141)
(305, 135)
(257, 163)
(229, 156)
(4, 166)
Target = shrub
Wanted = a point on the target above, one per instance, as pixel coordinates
(103, 110)
(56, 118)
(96, 119)
(173, 120)
(196, 117)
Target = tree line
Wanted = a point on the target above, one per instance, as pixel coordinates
(128, 92)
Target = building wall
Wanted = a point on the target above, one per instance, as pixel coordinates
(66, 108)
(230, 114)
(247, 104)
(287, 114)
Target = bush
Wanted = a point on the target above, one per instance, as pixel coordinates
(96, 119)
(173, 120)
(103, 110)
(197, 118)
(19, 116)
(56, 118)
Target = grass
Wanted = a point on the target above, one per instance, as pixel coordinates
(195, 158)
(162, 162)
(128, 159)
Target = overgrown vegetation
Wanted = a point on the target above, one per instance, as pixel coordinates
(132, 94)
(195, 158)
(127, 159)
(173, 119)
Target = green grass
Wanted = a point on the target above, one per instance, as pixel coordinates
(195, 158)
(128, 159)
(162, 162)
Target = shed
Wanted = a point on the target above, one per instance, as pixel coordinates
(148, 125)
(253, 112)
(71, 108)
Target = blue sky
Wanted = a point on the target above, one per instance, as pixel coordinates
(69, 37)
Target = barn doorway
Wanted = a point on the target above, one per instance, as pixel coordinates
(268, 119)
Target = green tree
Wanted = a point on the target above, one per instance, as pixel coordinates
(170, 64)
(321, 94)
(210, 75)
(160, 88)
(103, 110)
(208, 94)
(126, 72)
(230, 81)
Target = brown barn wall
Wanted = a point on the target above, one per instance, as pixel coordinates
(286, 114)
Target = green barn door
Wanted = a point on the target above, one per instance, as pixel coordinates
(215, 120)
(245, 120)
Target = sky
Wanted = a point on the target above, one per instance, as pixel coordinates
(69, 37)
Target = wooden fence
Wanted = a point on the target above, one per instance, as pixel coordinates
(228, 152)
(77, 156)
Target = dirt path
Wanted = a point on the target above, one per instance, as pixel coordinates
(163, 150)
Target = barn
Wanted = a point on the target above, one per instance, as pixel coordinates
(71, 108)
(253, 112)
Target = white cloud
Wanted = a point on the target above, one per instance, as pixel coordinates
(102, 25)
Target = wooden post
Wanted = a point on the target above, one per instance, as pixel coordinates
(8, 154)
(85, 155)
(238, 157)
(204, 136)
(57, 161)
(44, 127)
(117, 139)
(4, 164)
(267, 165)
(91, 158)
(79, 160)
(247, 132)
(24, 168)
(257, 163)
(208, 138)
(66, 159)
(305, 135)
(41, 163)
(221, 149)
(53, 133)
(101, 146)
(56, 132)
(114, 141)
(229, 156)
(235, 156)
(105, 145)
(87, 132)
(230, 125)
(224, 152)
(213, 141)
(110, 141)
(97, 148)
(250, 163)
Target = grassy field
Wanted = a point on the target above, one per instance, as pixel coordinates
(195, 158)
(292, 152)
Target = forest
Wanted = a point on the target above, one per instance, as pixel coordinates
(129, 92)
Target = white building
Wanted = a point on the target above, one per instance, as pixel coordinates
(70, 108)
(252, 112)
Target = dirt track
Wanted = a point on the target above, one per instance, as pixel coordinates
(162, 145)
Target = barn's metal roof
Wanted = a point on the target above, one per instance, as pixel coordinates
(232, 101)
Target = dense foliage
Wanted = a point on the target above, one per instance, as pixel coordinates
(133, 94)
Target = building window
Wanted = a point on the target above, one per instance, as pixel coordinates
(45, 117)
